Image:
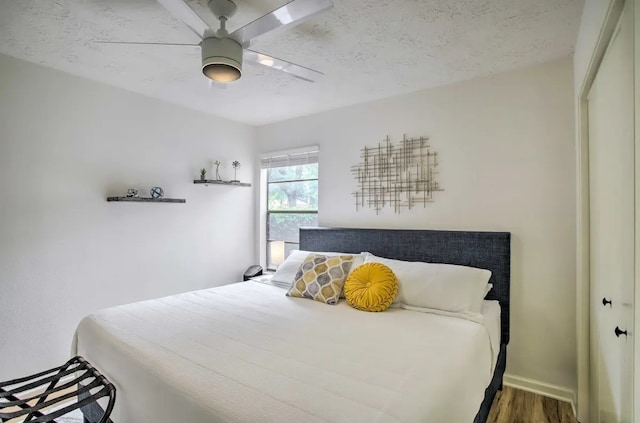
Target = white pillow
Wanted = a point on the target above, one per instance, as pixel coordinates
(266, 279)
(286, 272)
(488, 289)
(456, 289)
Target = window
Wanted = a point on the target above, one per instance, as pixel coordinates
(292, 200)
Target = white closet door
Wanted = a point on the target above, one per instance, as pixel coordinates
(612, 224)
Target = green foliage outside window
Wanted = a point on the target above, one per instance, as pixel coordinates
(285, 226)
(292, 189)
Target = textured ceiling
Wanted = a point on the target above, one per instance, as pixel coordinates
(367, 49)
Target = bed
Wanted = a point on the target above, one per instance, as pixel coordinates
(247, 353)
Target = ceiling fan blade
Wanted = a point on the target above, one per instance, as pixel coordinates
(292, 13)
(135, 43)
(298, 71)
(194, 47)
(181, 11)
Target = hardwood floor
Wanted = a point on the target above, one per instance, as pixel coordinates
(515, 406)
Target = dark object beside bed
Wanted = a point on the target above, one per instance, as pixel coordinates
(485, 250)
(44, 396)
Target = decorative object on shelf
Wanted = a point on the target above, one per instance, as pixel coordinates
(147, 199)
(156, 193)
(236, 166)
(132, 192)
(203, 174)
(214, 182)
(218, 177)
(396, 176)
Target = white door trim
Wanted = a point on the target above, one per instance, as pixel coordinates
(636, 343)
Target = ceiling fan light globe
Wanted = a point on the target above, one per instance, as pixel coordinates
(220, 72)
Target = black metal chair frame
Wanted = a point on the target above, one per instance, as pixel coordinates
(76, 378)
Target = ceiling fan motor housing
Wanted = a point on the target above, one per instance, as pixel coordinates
(221, 59)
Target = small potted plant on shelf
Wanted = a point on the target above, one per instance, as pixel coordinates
(236, 166)
(203, 174)
(217, 163)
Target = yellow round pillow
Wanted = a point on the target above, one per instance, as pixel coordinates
(371, 287)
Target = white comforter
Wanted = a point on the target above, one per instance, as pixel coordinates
(247, 353)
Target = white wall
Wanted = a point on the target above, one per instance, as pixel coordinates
(507, 164)
(65, 145)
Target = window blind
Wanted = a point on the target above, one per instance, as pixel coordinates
(300, 156)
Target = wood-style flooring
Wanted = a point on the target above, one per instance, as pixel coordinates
(515, 406)
(510, 406)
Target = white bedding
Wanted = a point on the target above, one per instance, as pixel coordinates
(247, 353)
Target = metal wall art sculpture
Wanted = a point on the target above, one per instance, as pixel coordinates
(396, 176)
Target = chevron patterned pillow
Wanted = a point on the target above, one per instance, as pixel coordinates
(321, 278)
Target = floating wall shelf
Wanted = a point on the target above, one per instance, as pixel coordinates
(214, 182)
(147, 199)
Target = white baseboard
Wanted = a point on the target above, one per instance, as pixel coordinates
(552, 391)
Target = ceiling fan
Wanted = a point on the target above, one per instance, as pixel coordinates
(223, 53)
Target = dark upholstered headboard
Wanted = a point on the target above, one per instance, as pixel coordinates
(485, 250)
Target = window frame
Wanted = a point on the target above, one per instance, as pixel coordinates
(267, 213)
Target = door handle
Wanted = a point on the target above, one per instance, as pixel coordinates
(605, 302)
(620, 332)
